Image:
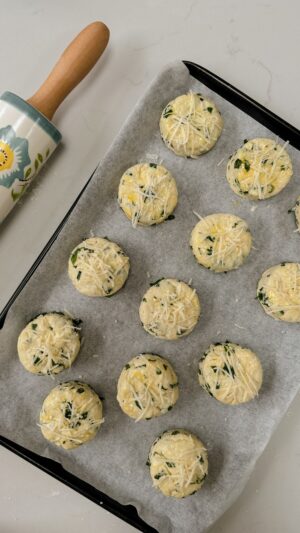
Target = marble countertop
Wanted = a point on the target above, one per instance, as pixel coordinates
(251, 45)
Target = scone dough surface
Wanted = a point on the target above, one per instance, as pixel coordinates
(221, 242)
(170, 309)
(98, 267)
(178, 463)
(260, 169)
(190, 125)
(71, 414)
(230, 373)
(49, 343)
(147, 387)
(147, 194)
(278, 291)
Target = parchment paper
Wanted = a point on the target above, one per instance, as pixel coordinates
(235, 436)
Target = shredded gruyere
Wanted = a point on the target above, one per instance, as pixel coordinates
(261, 168)
(147, 387)
(71, 414)
(98, 267)
(230, 373)
(147, 194)
(178, 463)
(221, 242)
(190, 125)
(170, 309)
(278, 291)
(49, 343)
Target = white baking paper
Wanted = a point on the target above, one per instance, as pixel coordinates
(115, 461)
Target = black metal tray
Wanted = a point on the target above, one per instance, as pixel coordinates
(265, 117)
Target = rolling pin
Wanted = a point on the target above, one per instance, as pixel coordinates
(27, 135)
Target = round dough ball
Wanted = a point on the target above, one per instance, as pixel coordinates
(178, 463)
(190, 125)
(147, 194)
(221, 242)
(49, 343)
(98, 267)
(278, 291)
(230, 373)
(261, 168)
(147, 387)
(71, 414)
(296, 210)
(170, 309)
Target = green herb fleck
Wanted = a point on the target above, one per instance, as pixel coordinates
(156, 282)
(74, 255)
(262, 297)
(237, 163)
(34, 326)
(68, 410)
(247, 165)
(137, 404)
(209, 109)
(167, 111)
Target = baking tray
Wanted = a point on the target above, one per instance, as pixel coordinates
(274, 123)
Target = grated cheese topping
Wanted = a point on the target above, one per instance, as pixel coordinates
(71, 414)
(221, 242)
(278, 291)
(178, 463)
(230, 373)
(261, 168)
(170, 309)
(98, 267)
(147, 387)
(147, 194)
(49, 343)
(190, 125)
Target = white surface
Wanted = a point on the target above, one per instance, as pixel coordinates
(253, 46)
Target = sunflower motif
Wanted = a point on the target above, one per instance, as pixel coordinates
(14, 157)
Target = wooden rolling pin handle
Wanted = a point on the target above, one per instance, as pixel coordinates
(74, 64)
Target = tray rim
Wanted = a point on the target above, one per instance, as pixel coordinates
(262, 115)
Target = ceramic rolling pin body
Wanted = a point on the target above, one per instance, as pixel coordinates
(27, 135)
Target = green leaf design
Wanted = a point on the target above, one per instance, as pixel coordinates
(27, 173)
(47, 153)
(36, 164)
(40, 158)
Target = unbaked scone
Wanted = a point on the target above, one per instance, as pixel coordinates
(278, 291)
(147, 387)
(49, 343)
(230, 373)
(147, 194)
(170, 309)
(178, 463)
(261, 168)
(71, 414)
(190, 125)
(98, 267)
(296, 210)
(221, 242)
